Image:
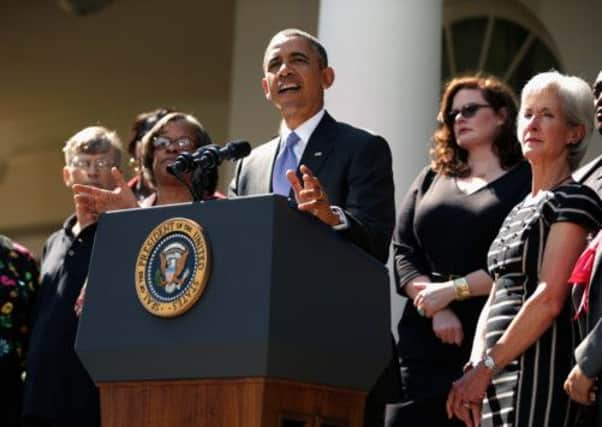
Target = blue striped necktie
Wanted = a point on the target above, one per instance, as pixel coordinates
(286, 160)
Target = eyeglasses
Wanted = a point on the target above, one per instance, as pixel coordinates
(162, 142)
(100, 164)
(467, 111)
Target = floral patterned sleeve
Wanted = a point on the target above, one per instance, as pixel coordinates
(18, 287)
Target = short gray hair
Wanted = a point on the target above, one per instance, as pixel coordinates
(576, 101)
(93, 140)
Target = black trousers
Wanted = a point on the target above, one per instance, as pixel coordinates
(424, 388)
(386, 389)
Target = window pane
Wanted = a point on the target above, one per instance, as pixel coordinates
(506, 40)
(468, 38)
(538, 59)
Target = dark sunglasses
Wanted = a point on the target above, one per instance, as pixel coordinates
(467, 111)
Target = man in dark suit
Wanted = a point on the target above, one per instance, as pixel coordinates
(591, 174)
(581, 382)
(345, 177)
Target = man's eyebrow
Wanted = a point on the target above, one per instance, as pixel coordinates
(299, 55)
(273, 58)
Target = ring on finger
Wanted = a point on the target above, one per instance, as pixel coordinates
(420, 311)
(466, 404)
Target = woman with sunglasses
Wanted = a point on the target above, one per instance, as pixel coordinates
(447, 221)
(522, 350)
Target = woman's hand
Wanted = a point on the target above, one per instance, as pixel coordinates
(468, 392)
(469, 414)
(81, 298)
(580, 387)
(447, 327)
(433, 297)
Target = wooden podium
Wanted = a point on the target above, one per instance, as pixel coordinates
(292, 328)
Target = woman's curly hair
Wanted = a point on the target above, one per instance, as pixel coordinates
(448, 157)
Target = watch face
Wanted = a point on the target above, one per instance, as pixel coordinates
(488, 361)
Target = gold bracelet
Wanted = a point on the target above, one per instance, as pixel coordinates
(462, 289)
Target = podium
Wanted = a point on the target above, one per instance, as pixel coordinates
(292, 328)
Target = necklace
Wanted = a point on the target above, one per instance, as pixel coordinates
(560, 182)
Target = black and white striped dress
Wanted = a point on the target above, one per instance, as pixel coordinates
(528, 392)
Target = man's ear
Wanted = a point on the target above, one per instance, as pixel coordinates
(266, 89)
(327, 77)
(67, 176)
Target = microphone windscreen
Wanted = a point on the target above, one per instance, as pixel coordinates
(238, 149)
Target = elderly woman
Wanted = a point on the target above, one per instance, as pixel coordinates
(172, 135)
(447, 221)
(522, 349)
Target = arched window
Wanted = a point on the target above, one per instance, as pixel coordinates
(501, 38)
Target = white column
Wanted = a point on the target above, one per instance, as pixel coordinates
(387, 60)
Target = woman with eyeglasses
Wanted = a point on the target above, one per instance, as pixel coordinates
(170, 136)
(143, 123)
(522, 350)
(447, 220)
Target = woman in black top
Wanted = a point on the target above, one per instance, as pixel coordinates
(447, 221)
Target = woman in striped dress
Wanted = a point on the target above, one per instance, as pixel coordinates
(522, 350)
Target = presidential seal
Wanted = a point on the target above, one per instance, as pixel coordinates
(172, 268)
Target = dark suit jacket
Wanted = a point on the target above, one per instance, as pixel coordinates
(591, 175)
(353, 166)
(589, 352)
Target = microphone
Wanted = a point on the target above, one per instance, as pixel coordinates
(208, 157)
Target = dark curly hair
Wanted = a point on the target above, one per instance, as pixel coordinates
(451, 159)
(142, 124)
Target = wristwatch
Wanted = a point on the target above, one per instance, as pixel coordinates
(489, 363)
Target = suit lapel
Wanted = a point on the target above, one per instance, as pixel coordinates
(585, 172)
(266, 162)
(320, 144)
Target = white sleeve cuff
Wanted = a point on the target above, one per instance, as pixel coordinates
(344, 225)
